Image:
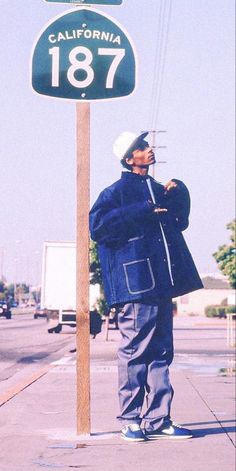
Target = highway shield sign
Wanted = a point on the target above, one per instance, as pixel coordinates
(84, 55)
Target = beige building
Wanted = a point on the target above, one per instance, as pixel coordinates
(216, 289)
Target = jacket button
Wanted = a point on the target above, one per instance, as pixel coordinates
(159, 240)
(164, 260)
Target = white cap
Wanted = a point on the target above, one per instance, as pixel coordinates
(126, 140)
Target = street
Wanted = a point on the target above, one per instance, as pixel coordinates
(26, 346)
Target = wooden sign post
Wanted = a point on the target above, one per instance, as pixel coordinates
(82, 267)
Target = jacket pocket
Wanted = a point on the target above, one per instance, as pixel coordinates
(139, 276)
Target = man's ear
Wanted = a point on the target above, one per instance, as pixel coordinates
(129, 161)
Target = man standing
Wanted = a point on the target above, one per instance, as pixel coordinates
(145, 261)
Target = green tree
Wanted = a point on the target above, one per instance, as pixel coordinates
(10, 290)
(4, 291)
(2, 287)
(25, 288)
(96, 276)
(225, 256)
(95, 267)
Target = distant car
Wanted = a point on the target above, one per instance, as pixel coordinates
(40, 312)
(5, 310)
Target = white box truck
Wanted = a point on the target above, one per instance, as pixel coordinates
(58, 292)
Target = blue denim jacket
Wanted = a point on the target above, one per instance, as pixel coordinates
(132, 251)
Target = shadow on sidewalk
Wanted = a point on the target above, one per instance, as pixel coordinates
(219, 428)
(103, 434)
(197, 433)
(211, 422)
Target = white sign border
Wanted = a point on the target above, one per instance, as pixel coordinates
(76, 100)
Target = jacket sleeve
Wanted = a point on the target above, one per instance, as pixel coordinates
(178, 204)
(112, 223)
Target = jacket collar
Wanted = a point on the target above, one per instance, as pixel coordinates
(130, 176)
(135, 176)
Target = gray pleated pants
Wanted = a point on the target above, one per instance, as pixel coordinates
(144, 356)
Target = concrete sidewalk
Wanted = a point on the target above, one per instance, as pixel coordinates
(37, 426)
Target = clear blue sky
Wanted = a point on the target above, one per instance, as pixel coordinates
(37, 146)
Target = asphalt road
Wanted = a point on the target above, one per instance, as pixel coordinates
(25, 343)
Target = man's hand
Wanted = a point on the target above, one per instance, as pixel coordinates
(169, 186)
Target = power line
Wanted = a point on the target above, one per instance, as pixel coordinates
(164, 16)
(159, 14)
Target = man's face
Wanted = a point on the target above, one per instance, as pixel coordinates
(143, 156)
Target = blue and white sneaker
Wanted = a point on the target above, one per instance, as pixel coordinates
(169, 431)
(133, 433)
